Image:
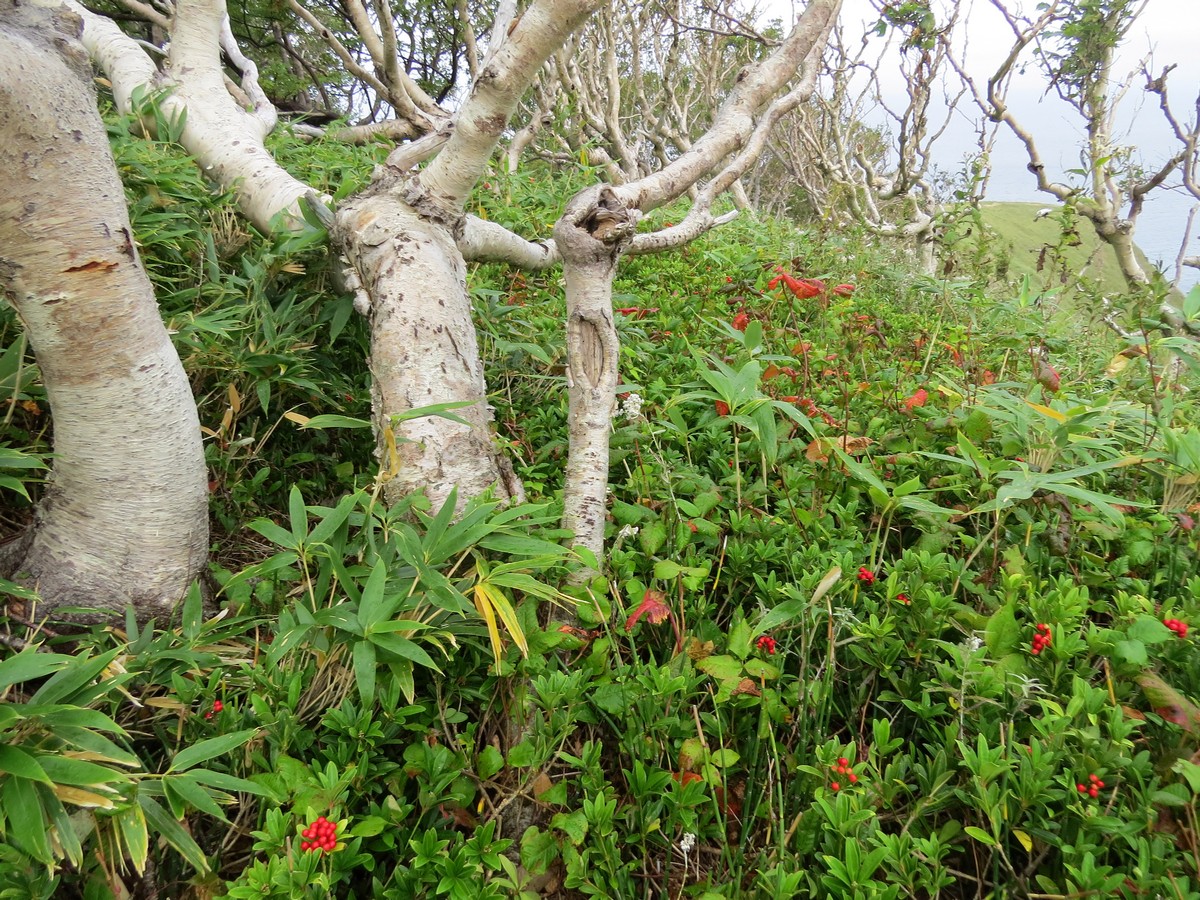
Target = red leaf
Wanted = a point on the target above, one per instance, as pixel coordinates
(1046, 375)
(722, 407)
(844, 290)
(917, 399)
(803, 288)
(740, 321)
(653, 607)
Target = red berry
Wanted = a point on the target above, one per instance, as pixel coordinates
(1093, 793)
(835, 786)
(1082, 788)
(853, 778)
(1099, 784)
(218, 706)
(1093, 778)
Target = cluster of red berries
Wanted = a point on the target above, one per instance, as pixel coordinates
(903, 598)
(217, 707)
(1180, 628)
(1041, 640)
(842, 767)
(865, 575)
(766, 643)
(1092, 788)
(320, 835)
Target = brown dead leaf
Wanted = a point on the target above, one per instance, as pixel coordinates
(698, 650)
(818, 450)
(746, 686)
(541, 784)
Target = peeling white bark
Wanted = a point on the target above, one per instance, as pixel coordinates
(593, 230)
(423, 350)
(125, 518)
(226, 140)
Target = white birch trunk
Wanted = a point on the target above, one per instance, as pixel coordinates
(590, 236)
(124, 520)
(423, 351)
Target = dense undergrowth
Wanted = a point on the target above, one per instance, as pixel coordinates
(896, 605)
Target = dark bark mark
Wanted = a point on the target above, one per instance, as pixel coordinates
(592, 360)
(94, 265)
(126, 246)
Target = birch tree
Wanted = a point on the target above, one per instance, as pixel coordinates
(124, 520)
(862, 151)
(406, 238)
(1074, 43)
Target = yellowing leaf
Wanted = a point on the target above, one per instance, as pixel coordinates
(1048, 412)
(79, 797)
(1024, 838)
(164, 703)
(1116, 364)
(490, 602)
(235, 399)
(826, 583)
(296, 417)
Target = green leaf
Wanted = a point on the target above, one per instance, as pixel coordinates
(16, 761)
(364, 672)
(208, 749)
(28, 665)
(333, 520)
(1132, 652)
(369, 826)
(723, 668)
(490, 762)
(651, 537)
(26, 819)
(1002, 634)
(275, 534)
(522, 755)
(80, 673)
(405, 648)
(372, 609)
(781, 614)
(573, 824)
(1149, 630)
(66, 770)
(980, 835)
(166, 827)
(227, 782)
(667, 570)
(335, 422)
(297, 515)
(724, 757)
(194, 794)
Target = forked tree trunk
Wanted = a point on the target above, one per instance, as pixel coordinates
(124, 520)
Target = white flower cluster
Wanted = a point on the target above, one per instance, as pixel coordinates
(687, 842)
(630, 408)
(627, 531)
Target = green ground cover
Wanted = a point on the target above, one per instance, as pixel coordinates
(896, 606)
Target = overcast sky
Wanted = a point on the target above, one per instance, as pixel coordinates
(1168, 31)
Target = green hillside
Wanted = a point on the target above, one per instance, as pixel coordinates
(1023, 237)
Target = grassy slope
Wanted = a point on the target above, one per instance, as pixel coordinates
(1024, 236)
